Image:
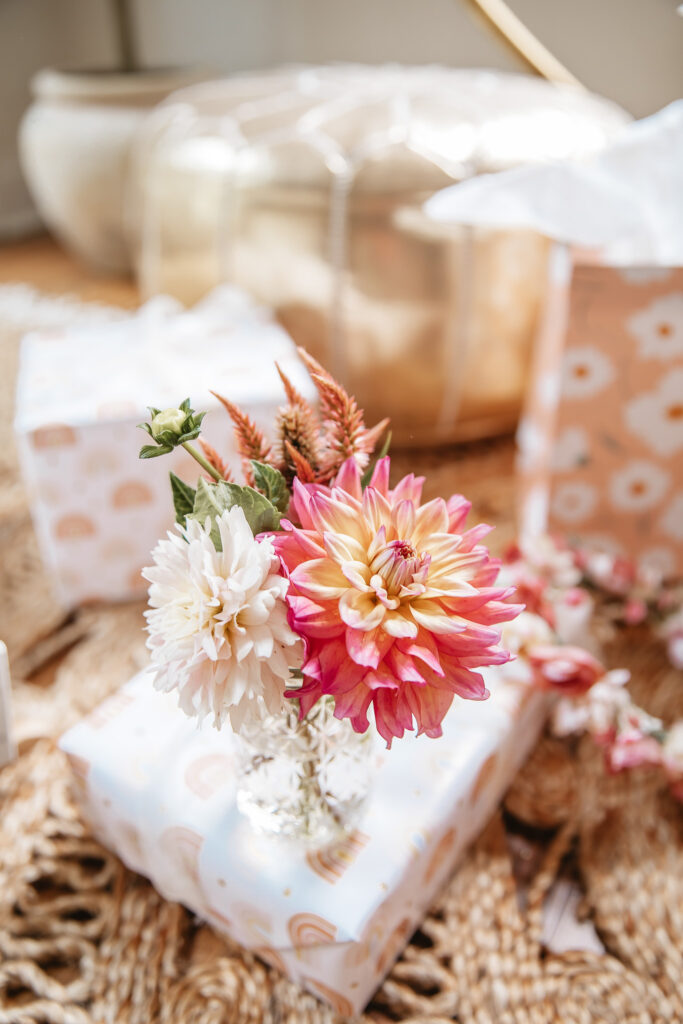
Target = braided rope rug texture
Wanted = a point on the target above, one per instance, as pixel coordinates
(85, 941)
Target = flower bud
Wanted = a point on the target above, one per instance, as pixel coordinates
(168, 420)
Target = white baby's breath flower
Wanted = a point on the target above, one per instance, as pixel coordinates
(524, 632)
(217, 621)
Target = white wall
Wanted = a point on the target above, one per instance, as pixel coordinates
(33, 34)
(629, 50)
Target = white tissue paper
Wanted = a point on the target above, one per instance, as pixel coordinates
(627, 201)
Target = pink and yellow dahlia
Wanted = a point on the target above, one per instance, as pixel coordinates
(396, 605)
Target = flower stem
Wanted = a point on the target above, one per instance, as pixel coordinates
(204, 463)
(311, 791)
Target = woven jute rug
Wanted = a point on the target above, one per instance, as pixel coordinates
(83, 940)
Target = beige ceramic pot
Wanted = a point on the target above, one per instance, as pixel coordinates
(74, 144)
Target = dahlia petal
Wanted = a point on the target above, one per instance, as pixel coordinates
(397, 625)
(312, 670)
(307, 701)
(465, 565)
(430, 519)
(497, 612)
(473, 536)
(358, 575)
(294, 548)
(367, 648)
(447, 587)
(434, 734)
(380, 476)
(380, 679)
(330, 515)
(389, 718)
(467, 684)
(403, 517)
(458, 509)
(343, 548)
(408, 489)
(377, 543)
(442, 546)
(348, 479)
(404, 667)
(429, 706)
(354, 705)
(390, 603)
(425, 649)
(432, 617)
(487, 575)
(338, 672)
(360, 610)
(376, 509)
(319, 578)
(300, 503)
(312, 619)
(491, 656)
(466, 604)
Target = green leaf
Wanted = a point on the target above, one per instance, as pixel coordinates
(211, 500)
(367, 475)
(271, 482)
(259, 511)
(150, 451)
(183, 498)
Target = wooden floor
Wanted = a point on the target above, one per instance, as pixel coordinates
(43, 264)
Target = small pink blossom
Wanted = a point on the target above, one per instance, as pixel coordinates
(570, 671)
(675, 650)
(597, 712)
(633, 740)
(631, 749)
(672, 631)
(635, 611)
(612, 573)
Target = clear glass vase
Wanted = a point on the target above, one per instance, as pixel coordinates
(306, 780)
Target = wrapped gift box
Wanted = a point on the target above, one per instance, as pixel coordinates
(601, 441)
(161, 793)
(97, 509)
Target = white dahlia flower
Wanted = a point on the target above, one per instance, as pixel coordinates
(217, 621)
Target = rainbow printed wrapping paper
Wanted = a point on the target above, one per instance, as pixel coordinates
(97, 509)
(160, 792)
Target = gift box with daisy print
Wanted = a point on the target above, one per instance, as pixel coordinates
(601, 443)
